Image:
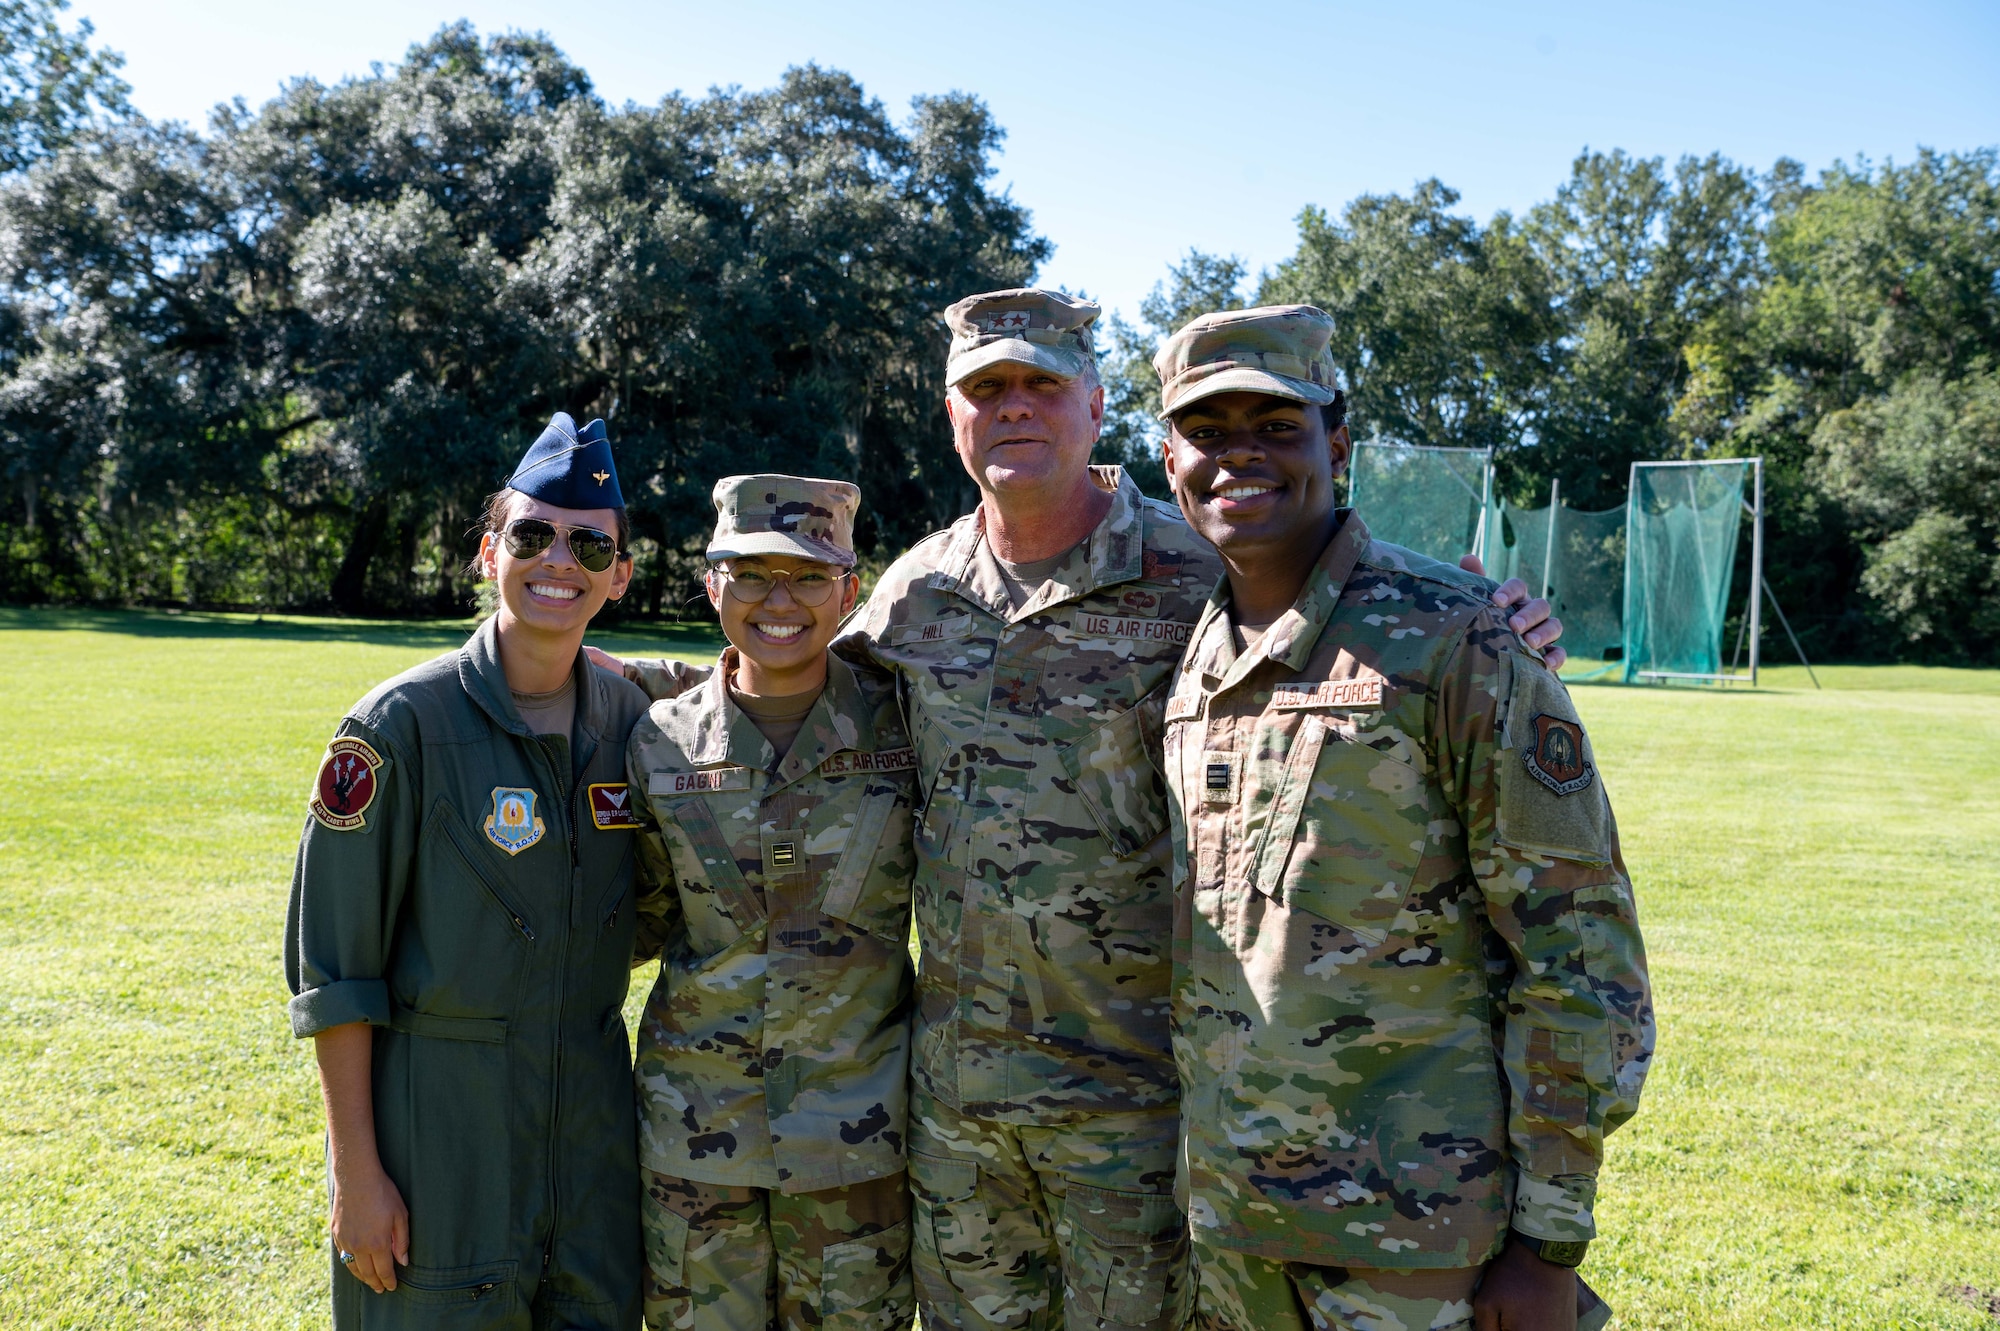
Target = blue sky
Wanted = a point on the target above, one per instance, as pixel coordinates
(1138, 130)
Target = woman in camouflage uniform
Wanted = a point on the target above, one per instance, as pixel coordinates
(776, 800)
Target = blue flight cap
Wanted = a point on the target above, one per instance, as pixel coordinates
(570, 468)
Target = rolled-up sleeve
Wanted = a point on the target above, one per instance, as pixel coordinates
(347, 891)
(1578, 1029)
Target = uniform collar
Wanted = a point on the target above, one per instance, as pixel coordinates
(1292, 637)
(1114, 552)
(719, 732)
(485, 681)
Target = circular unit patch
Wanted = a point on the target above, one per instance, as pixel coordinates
(346, 784)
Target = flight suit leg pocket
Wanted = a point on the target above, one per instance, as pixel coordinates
(865, 1282)
(1123, 1257)
(460, 1296)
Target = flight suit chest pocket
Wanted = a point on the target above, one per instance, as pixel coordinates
(1348, 827)
(1118, 779)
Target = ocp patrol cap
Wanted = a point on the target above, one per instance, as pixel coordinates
(1276, 349)
(785, 515)
(570, 468)
(1026, 325)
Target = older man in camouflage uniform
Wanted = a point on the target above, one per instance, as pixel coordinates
(1410, 992)
(774, 1049)
(1033, 641)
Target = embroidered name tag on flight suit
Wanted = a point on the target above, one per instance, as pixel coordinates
(611, 807)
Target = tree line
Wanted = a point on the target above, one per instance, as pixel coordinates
(277, 363)
(1844, 328)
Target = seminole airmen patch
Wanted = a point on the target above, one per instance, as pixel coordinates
(346, 784)
(512, 825)
(1555, 755)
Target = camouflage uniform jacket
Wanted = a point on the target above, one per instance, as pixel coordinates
(1044, 905)
(774, 1050)
(1410, 992)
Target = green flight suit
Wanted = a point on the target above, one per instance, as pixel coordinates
(465, 887)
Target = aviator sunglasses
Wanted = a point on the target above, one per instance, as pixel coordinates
(528, 537)
(751, 584)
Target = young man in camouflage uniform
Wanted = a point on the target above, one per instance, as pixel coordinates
(1410, 992)
(1032, 643)
(773, 1055)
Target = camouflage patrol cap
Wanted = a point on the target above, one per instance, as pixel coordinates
(1275, 349)
(1024, 324)
(785, 515)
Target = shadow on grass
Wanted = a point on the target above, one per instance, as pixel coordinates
(437, 634)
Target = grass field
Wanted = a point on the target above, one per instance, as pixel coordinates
(1819, 877)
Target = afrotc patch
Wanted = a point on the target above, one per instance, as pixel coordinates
(611, 807)
(346, 784)
(512, 825)
(1556, 757)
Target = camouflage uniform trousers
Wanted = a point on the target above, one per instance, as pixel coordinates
(1038, 1228)
(723, 1258)
(1239, 1292)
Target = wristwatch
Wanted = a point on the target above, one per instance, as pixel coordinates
(1553, 1251)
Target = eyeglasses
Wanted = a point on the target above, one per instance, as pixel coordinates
(750, 584)
(528, 537)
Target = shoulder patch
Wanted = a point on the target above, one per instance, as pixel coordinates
(346, 784)
(611, 807)
(1554, 754)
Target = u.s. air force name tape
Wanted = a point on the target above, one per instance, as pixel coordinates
(882, 760)
(1091, 624)
(1363, 692)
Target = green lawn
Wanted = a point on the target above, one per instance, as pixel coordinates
(1819, 875)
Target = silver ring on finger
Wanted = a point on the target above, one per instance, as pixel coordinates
(346, 1257)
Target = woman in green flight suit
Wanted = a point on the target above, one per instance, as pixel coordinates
(459, 944)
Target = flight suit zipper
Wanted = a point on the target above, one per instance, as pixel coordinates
(562, 1008)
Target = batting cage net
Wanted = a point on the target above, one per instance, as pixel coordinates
(1436, 501)
(1683, 519)
(1577, 560)
(1642, 589)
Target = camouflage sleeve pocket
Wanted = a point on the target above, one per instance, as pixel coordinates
(1114, 771)
(1556, 1090)
(1549, 799)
